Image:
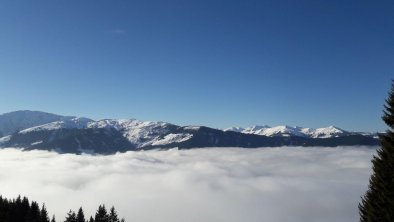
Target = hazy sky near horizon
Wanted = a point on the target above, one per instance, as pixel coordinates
(199, 62)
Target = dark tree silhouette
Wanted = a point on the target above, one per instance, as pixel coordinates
(113, 216)
(25, 208)
(44, 214)
(80, 215)
(34, 212)
(71, 217)
(377, 205)
(101, 214)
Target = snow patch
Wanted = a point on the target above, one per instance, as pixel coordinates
(192, 127)
(36, 143)
(173, 138)
(5, 139)
(235, 129)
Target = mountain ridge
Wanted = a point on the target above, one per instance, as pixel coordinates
(285, 130)
(79, 134)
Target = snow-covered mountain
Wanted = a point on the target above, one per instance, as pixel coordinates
(286, 131)
(15, 121)
(39, 130)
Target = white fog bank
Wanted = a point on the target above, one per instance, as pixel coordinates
(212, 185)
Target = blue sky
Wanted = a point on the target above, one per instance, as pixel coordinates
(214, 63)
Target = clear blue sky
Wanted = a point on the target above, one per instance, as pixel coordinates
(203, 62)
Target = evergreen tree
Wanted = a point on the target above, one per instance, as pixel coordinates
(18, 212)
(34, 212)
(377, 205)
(25, 208)
(80, 215)
(44, 214)
(71, 217)
(3, 209)
(113, 216)
(53, 219)
(91, 219)
(101, 214)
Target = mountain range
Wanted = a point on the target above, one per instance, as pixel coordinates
(70, 134)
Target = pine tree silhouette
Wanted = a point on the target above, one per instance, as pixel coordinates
(34, 212)
(71, 217)
(377, 205)
(80, 215)
(113, 216)
(25, 208)
(101, 214)
(44, 214)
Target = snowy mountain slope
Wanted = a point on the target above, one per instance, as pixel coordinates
(15, 121)
(104, 141)
(172, 138)
(4, 140)
(274, 131)
(327, 132)
(235, 129)
(77, 123)
(141, 133)
(255, 129)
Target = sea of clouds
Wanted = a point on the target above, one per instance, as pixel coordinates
(289, 184)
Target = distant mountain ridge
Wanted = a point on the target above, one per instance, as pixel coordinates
(326, 132)
(40, 130)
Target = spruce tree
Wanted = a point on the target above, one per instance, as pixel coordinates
(377, 205)
(34, 212)
(4, 209)
(113, 216)
(44, 214)
(19, 213)
(80, 215)
(91, 219)
(101, 214)
(53, 219)
(71, 217)
(25, 208)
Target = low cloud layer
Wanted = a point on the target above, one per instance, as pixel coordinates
(210, 185)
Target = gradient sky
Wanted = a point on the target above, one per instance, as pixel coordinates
(203, 62)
